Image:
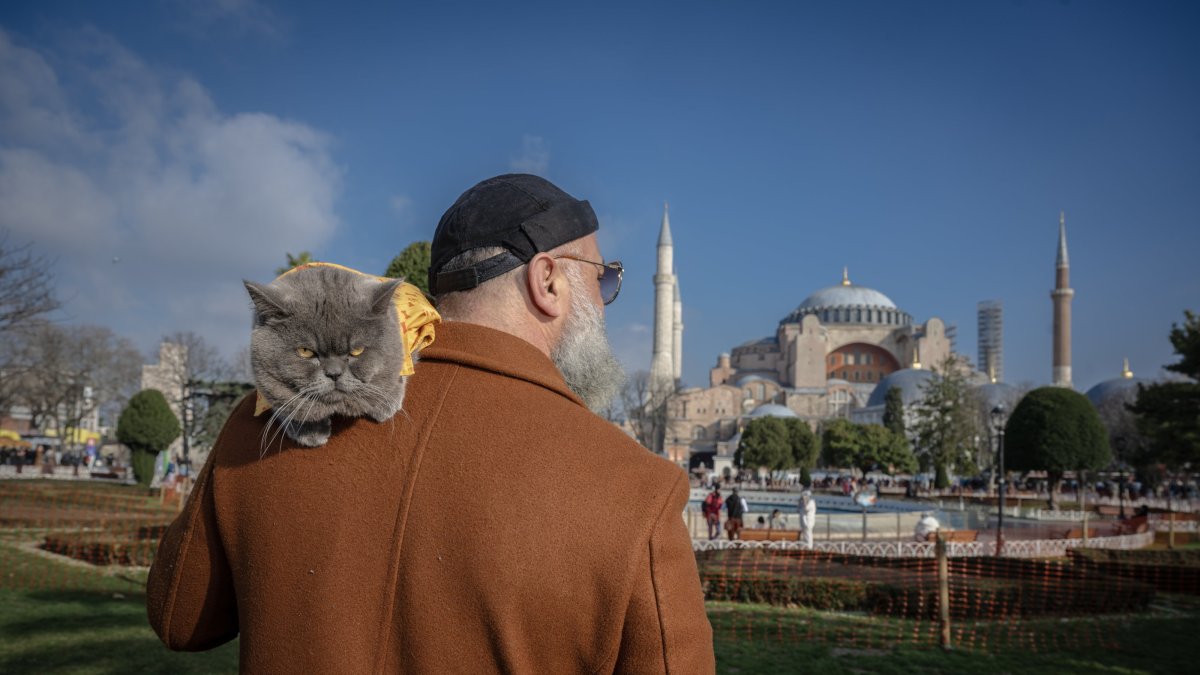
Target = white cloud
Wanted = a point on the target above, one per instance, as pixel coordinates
(239, 16)
(130, 162)
(401, 206)
(534, 157)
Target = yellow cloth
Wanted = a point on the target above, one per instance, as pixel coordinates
(417, 318)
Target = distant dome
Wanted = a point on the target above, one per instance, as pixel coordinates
(1124, 386)
(910, 381)
(849, 303)
(754, 377)
(995, 393)
(772, 410)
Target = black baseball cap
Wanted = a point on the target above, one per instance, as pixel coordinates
(519, 212)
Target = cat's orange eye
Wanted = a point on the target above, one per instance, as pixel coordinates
(357, 351)
(304, 352)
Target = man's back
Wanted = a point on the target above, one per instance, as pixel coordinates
(485, 528)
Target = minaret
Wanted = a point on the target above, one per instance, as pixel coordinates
(662, 368)
(677, 338)
(1061, 297)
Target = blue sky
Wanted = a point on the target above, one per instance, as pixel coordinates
(928, 146)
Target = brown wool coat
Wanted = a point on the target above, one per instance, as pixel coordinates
(495, 525)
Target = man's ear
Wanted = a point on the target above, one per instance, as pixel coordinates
(548, 287)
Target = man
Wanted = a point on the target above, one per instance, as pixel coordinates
(808, 517)
(354, 557)
(735, 508)
(926, 526)
(712, 512)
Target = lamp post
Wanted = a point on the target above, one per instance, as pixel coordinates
(999, 417)
(1120, 442)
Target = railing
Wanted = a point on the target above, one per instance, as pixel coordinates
(1017, 548)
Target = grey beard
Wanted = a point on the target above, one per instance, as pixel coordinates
(584, 357)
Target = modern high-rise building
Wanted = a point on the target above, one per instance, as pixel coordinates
(991, 339)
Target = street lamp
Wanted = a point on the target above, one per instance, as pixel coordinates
(999, 417)
(1120, 441)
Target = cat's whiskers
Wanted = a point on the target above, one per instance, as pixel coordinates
(276, 411)
(290, 407)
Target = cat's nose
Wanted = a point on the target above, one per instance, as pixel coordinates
(333, 374)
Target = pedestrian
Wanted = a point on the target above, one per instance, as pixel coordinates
(926, 526)
(808, 517)
(345, 558)
(735, 508)
(777, 520)
(712, 512)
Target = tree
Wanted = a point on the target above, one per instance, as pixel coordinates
(73, 371)
(1168, 413)
(412, 265)
(147, 427)
(26, 298)
(197, 369)
(805, 445)
(766, 444)
(946, 427)
(220, 400)
(645, 410)
(865, 447)
(893, 411)
(1054, 429)
(294, 261)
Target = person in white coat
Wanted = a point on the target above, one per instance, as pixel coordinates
(808, 517)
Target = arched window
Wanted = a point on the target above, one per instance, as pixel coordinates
(698, 433)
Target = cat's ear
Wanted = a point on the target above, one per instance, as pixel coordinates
(381, 297)
(268, 306)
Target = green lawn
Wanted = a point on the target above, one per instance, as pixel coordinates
(70, 617)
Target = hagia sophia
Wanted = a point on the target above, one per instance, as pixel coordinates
(835, 355)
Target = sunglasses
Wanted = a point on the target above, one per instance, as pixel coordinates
(610, 277)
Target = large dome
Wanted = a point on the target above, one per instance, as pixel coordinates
(850, 303)
(910, 382)
(847, 295)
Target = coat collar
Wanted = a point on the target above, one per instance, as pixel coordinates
(489, 349)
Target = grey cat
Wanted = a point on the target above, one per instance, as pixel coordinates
(326, 341)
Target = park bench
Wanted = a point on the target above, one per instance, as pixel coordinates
(770, 535)
(954, 535)
(1135, 525)
(1077, 533)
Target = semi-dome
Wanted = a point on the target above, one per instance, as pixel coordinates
(772, 410)
(910, 382)
(849, 303)
(755, 377)
(1123, 387)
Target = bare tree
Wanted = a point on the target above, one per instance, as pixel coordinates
(73, 371)
(26, 297)
(645, 409)
(198, 369)
(26, 286)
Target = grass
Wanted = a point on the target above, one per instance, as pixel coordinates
(63, 617)
(59, 616)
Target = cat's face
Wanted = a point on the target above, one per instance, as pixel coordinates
(326, 341)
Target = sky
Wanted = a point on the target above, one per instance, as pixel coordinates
(161, 152)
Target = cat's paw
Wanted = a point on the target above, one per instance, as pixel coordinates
(390, 404)
(311, 434)
(384, 413)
